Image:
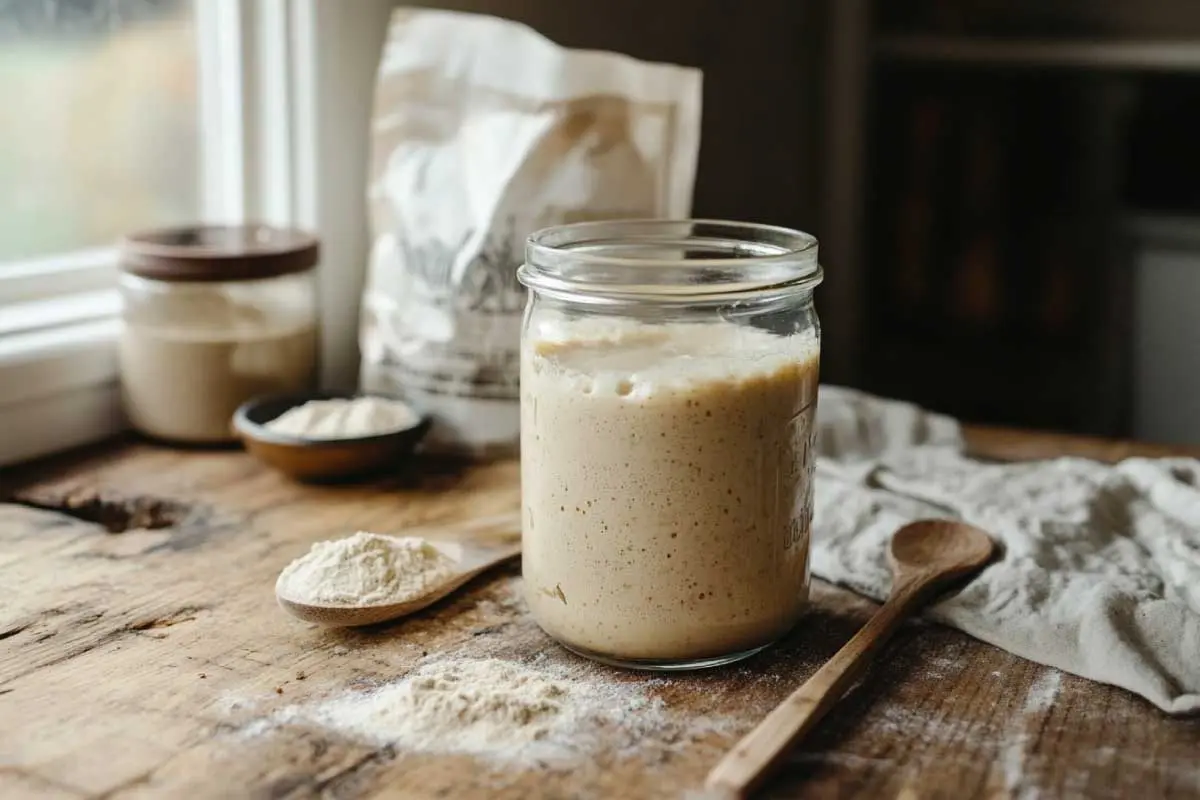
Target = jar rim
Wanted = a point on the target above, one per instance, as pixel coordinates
(687, 259)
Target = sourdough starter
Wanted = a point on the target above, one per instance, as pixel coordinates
(184, 374)
(666, 480)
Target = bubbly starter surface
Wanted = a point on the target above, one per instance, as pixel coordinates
(666, 479)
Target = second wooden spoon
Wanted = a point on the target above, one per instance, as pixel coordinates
(926, 556)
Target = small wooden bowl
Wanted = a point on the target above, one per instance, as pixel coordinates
(320, 459)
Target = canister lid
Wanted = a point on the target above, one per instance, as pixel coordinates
(218, 252)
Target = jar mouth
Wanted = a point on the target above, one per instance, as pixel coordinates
(683, 260)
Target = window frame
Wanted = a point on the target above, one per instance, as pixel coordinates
(31, 279)
(285, 92)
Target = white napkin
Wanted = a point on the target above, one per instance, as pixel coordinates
(1100, 574)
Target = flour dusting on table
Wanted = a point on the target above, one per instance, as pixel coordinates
(504, 711)
(1020, 779)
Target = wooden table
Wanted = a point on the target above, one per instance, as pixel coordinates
(141, 649)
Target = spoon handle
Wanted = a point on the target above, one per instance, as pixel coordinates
(753, 759)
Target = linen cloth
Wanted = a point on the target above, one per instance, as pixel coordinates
(1100, 571)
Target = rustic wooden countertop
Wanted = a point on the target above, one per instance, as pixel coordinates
(141, 650)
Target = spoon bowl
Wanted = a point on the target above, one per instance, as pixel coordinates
(954, 548)
(475, 548)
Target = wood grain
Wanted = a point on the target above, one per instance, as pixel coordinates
(140, 662)
(1007, 444)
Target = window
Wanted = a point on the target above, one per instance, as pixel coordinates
(100, 103)
(126, 114)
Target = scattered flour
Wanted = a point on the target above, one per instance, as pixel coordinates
(1043, 692)
(848, 760)
(929, 726)
(505, 712)
(344, 418)
(1018, 778)
(1012, 764)
(1020, 767)
(364, 569)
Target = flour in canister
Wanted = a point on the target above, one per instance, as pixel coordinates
(344, 418)
(197, 352)
(364, 569)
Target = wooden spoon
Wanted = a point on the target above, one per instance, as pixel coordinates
(475, 546)
(926, 556)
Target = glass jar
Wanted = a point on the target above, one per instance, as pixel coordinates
(668, 386)
(213, 316)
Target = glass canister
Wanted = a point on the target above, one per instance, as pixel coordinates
(213, 316)
(668, 388)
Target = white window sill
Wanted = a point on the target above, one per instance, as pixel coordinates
(33, 428)
(58, 374)
(66, 273)
(70, 355)
(57, 312)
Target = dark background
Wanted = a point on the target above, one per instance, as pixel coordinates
(977, 172)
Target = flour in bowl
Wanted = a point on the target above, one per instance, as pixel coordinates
(342, 418)
(364, 569)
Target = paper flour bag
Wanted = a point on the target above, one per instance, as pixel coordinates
(483, 132)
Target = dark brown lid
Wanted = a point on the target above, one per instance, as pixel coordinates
(218, 253)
